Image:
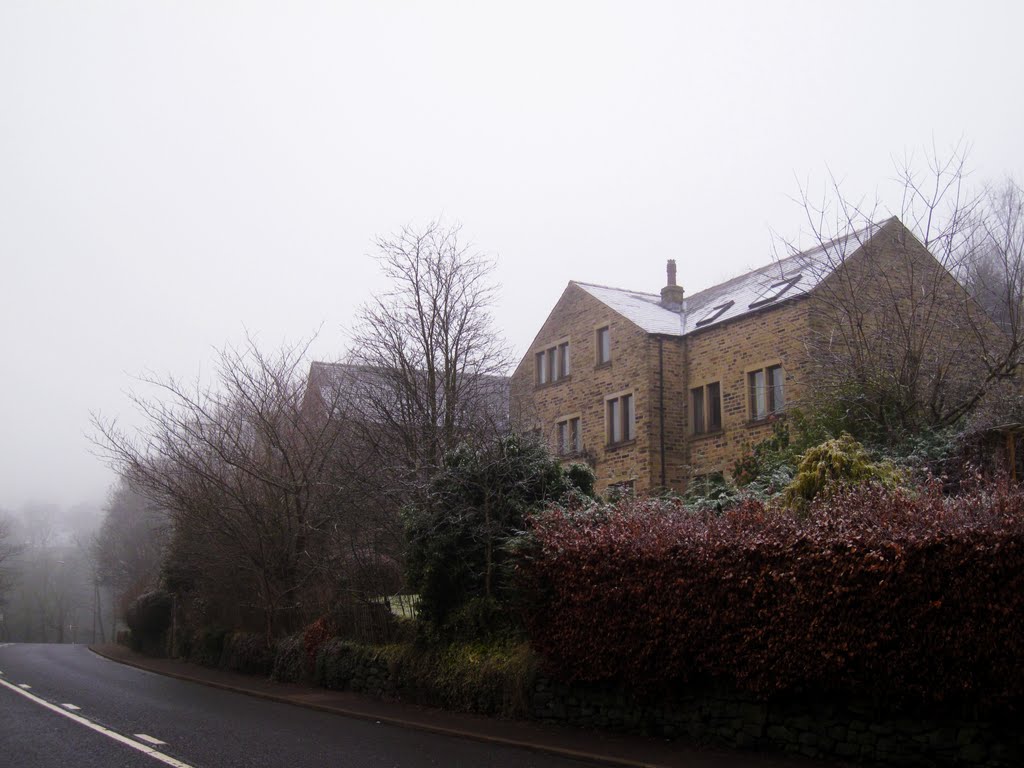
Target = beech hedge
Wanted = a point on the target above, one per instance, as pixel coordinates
(885, 593)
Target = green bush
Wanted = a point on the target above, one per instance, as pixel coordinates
(207, 647)
(460, 535)
(336, 664)
(149, 617)
(290, 659)
(482, 618)
(487, 678)
(835, 464)
(247, 652)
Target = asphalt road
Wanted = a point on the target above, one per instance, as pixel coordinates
(202, 727)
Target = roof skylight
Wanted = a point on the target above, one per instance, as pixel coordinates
(775, 291)
(715, 313)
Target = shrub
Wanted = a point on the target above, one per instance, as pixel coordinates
(477, 505)
(336, 664)
(149, 617)
(247, 652)
(316, 635)
(289, 659)
(877, 591)
(207, 646)
(832, 465)
(487, 678)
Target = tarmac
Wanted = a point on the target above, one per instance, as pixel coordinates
(580, 744)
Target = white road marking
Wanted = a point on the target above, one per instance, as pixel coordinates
(166, 759)
(72, 707)
(26, 686)
(150, 739)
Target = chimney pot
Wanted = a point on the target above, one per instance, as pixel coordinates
(672, 294)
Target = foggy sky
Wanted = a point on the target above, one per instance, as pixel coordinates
(174, 173)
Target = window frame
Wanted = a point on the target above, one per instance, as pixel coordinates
(620, 418)
(552, 363)
(604, 331)
(772, 389)
(573, 432)
(702, 423)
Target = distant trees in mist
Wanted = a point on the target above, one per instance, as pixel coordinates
(48, 590)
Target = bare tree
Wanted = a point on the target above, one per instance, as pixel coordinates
(897, 342)
(250, 480)
(9, 549)
(430, 364)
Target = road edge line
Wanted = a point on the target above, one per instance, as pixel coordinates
(111, 734)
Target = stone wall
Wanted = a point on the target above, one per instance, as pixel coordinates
(726, 354)
(714, 714)
(809, 726)
(576, 318)
(659, 371)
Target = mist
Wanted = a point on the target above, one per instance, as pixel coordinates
(175, 176)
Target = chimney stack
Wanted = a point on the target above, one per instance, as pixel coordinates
(672, 294)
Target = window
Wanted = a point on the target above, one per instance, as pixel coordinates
(552, 364)
(570, 437)
(715, 313)
(767, 391)
(623, 488)
(775, 291)
(604, 345)
(706, 408)
(620, 416)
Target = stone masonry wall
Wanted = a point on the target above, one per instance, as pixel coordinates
(726, 354)
(816, 727)
(576, 318)
(806, 726)
(642, 364)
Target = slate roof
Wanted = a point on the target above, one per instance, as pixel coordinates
(364, 390)
(769, 285)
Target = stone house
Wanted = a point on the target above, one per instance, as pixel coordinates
(656, 390)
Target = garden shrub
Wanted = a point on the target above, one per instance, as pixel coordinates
(336, 664)
(477, 505)
(149, 618)
(247, 652)
(882, 592)
(290, 659)
(486, 678)
(315, 635)
(833, 464)
(207, 646)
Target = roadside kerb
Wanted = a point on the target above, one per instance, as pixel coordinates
(390, 720)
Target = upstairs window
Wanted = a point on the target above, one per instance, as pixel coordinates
(767, 391)
(604, 345)
(706, 408)
(620, 416)
(552, 364)
(569, 436)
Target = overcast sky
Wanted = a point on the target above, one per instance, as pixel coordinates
(173, 173)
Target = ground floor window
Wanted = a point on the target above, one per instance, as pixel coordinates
(569, 437)
(766, 391)
(706, 408)
(620, 416)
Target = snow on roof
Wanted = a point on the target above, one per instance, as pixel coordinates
(781, 280)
